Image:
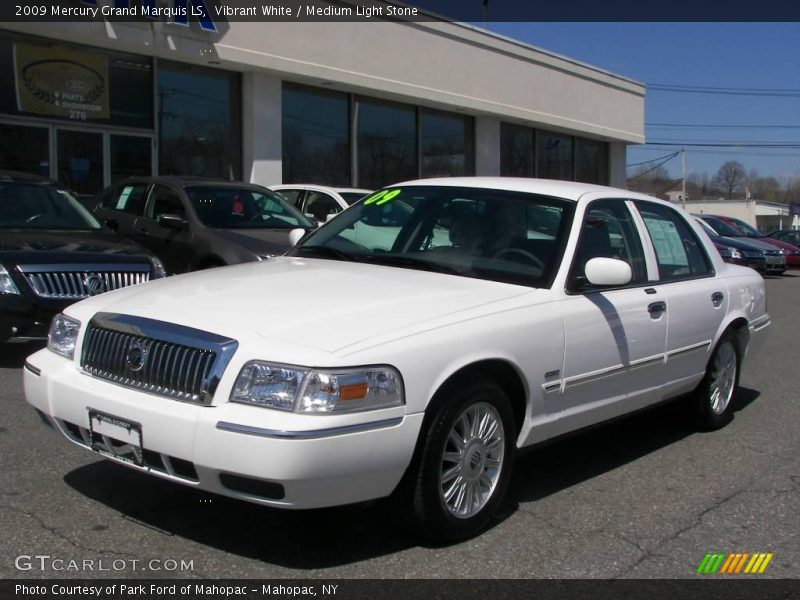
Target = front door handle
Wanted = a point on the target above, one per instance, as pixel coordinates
(143, 232)
(657, 307)
(716, 298)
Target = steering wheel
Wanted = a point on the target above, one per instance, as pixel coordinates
(532, 258)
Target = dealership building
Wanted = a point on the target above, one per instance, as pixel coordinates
(342, 103)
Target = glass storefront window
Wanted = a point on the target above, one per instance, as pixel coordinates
(387, 143)
(316, 136)
(130, 156)
(554, 156)
(199, 121)
(591, 161)
(517, 151)
(80, 160)
(446, 145)
(25, 149)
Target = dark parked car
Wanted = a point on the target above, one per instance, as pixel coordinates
(775, 257)
(192, 223)
(790, 236)
(751, 233)
(54, 252)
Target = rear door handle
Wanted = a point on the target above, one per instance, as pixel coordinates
(717, 298)
(143, 232)
(657, 307)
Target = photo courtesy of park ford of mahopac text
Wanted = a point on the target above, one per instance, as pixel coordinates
(396, 589)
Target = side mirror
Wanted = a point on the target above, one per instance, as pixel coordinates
(295, 235)
(112, 224)
(171, 221)
(609, 272)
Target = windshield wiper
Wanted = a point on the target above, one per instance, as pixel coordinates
(413, 262)
(326, 251)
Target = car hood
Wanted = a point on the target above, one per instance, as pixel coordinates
(29, 246)
(790, 248)
(261, 241)
(753, 242)
(737, 243)
(323, 304)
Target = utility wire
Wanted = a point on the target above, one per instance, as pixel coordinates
(644, 162)
(653, 168)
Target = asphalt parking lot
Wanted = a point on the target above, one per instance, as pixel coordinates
(642, 498)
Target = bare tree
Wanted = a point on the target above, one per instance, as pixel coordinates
(730, 178)
(650, 180)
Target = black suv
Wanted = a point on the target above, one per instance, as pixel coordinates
(54, 252)
(192, 223)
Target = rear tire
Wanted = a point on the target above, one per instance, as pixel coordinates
(716, 392)
(462, 464)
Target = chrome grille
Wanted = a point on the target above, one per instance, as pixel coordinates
(74, 282)
(156, 357)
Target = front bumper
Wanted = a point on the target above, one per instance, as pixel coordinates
(256, 454)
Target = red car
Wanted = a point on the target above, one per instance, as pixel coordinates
(792, 252)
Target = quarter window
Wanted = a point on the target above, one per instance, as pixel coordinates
(679, 253)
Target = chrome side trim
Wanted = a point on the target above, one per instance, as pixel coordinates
(692, 348)
(311, 434)
(552, 386)
(616, 370)
(30, 368)
(760, 323)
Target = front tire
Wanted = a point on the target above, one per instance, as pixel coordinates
(462, 466)
(715, 394)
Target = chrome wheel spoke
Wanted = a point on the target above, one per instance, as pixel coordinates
(472, 460)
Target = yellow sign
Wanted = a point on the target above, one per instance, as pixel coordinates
(61, 83)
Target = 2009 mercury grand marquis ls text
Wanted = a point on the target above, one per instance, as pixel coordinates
(409, 347)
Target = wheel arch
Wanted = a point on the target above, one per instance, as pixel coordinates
(739, 324)
(501, 371)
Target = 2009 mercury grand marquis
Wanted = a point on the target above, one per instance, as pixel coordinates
(501, 313)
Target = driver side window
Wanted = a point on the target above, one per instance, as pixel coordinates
(164, 201)
(608, 232)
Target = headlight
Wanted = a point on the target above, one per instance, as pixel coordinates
(158, 268)
(63, 335)
(305, 390)
(7, 285)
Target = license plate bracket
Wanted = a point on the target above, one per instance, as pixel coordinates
(116, 437)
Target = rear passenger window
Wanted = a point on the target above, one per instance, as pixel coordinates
(126, 198)
(679, 253)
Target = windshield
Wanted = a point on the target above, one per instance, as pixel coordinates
(240, 207)
(42, 206)
(722, 228)
(351, 197)
(746, 229)
(498, 235)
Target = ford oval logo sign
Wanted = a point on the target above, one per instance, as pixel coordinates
(136, 358)
(94, 284)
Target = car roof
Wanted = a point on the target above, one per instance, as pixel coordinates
(19, 177)
(321, 188)
(184, 180)
(570, 190)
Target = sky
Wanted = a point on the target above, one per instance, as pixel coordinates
(745, 58)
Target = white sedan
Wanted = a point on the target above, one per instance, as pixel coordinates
(319, 201)
(506, 312)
